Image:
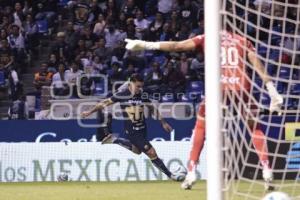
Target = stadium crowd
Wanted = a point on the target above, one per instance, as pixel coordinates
(87, 37)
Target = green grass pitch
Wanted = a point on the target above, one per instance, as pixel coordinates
(150, 190)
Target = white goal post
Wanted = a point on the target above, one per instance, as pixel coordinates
(235, 169)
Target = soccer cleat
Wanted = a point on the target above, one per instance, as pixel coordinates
(189, 181)
(109, 139)
(268, 178)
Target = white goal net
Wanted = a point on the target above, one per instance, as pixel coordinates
(273, 28)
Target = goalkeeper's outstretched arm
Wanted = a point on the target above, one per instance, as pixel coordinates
(98, 106)
(276, 98)
(139, 45)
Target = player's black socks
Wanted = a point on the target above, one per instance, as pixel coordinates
(124, 143)
(161, 166)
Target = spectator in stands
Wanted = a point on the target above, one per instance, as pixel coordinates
(111, 12)
(86, 82)
(115, 74)
(72, 75)
(175, 22)
(153, 80)
(188, 13)
(183, 33)
(3, 35)
(129, 8)
(52, 64)
(122, 22)
(88, 37)
(155, 27)
(14, 84)
(60, 48)
(99, 67)
(45, 10)
(129, 71)
(80, 48)
(111, 36)
(95, 10)
(99, 25)
(82, 14)
(31, 33)
(173, 79)
(166, 6)
(184, 64)
(167, 34)
(42, 78)
(18, 110)
(4, 23)
(141, 24)
(6, 56)
(197, 65)
(71, 36)
(17, 44)
(59, 82)
(101, 50)
(18, 15)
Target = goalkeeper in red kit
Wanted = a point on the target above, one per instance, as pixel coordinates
(234, 80)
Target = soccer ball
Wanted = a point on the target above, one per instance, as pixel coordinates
(180, 172)
(276, 196)
(62, 177)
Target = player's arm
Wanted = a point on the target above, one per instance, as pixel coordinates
(276, 98)
(166, 126)
(139, 45)
(99, 106)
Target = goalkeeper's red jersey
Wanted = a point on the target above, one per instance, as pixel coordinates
(234, 50)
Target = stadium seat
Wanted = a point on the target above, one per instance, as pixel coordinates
(2, 78)
(63, 3)
(262, 50)
(168, 98)
(160, 59)
(295, 89)
(280, 87)
(196, 86)
(264, 99)
(99, 89)
(284, 73)
(42, 26)
(146, 71)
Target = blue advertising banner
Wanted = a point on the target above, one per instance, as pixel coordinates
(70, 131)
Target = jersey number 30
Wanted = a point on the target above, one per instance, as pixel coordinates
(229, 56)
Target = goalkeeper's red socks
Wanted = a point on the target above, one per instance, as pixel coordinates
(198, 138)
(260, 145)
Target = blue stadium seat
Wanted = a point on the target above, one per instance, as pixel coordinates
(284, 73)
(38, 104)
(42, 26)
(295, 89)
(280, 87)
(146, 71)
(196, 86)
(168, 98)
(63, 3)
(262, 50)
(99, 89)
(265, 99)
(2, 78)
(160, 59)
(274, 55)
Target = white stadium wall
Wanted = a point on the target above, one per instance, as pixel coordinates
(28, 162)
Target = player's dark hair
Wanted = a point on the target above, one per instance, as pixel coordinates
(136, 78)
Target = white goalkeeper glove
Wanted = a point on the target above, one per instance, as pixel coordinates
(139, 45)
(276, 98)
